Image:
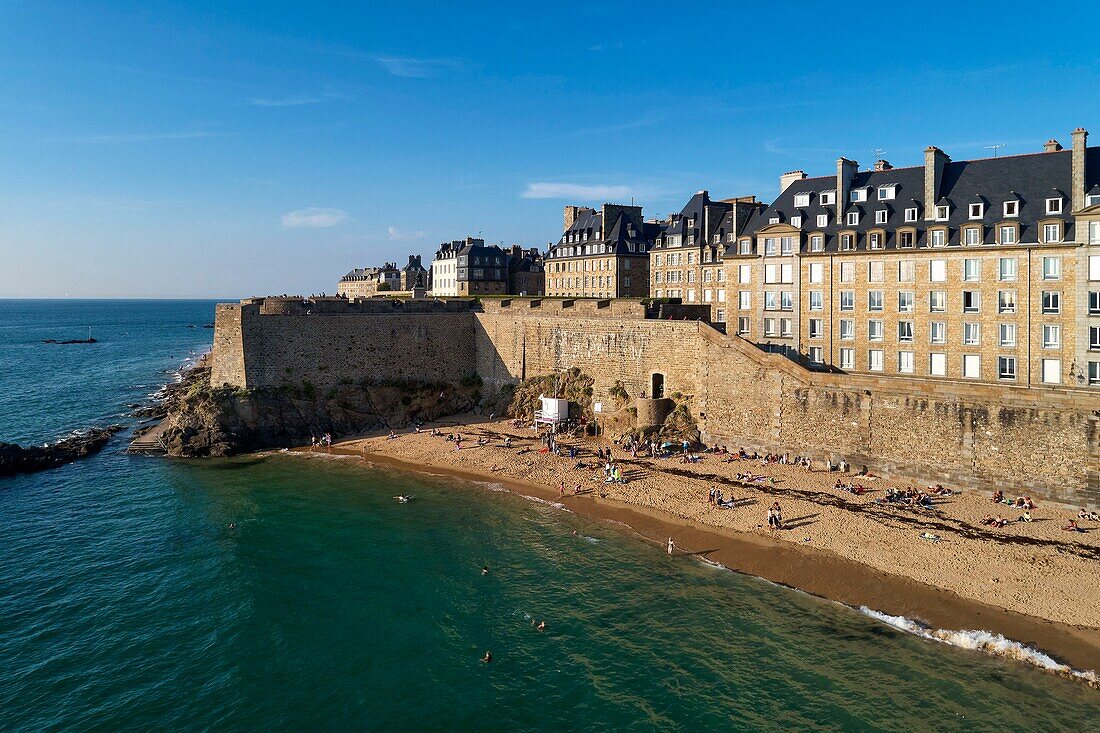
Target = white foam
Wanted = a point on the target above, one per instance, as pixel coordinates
(984, 641)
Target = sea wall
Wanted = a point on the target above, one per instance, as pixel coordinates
(1042, 442)
(261, 344)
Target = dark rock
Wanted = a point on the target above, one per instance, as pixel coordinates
(207, 421)
(15, 459)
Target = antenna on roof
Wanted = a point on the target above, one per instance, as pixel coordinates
(995, 148)
(879, 152)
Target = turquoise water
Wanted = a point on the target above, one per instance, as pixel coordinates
(127, 602)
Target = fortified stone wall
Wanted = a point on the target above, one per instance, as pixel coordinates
(1042, 442)
(281, 343)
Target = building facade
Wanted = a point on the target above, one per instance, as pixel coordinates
(686, 260)
(469, 267)
(414, 276)
(984, 270)
(601, 254)
(367, 282)
(526, 273)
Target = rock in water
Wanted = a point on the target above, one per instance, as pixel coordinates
(15, 459)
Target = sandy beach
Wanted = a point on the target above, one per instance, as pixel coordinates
(1031, 582)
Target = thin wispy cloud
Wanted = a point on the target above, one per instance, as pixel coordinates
(575, 191)
(419, 68)
(141, 137)
(604, 46)
(313, 217)
(401, 235)
(283, 101)
(622, 126)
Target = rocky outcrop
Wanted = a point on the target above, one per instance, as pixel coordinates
(15, 459)
(206, 421)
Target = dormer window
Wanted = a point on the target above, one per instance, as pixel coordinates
(853, 218)
(796, 221)
(881, 215)
(822, 221)
(717, 238)
(858, 195)
(691, 223)
(1054, 206)
(943, 212)
(886, 193)
(802, 199)
(1052, 233)
(773, 220)
(847, 242)
(1012, 208)
(827, 198)
(977, 211)
(911, 213)
(1093, 199)
(746, 247)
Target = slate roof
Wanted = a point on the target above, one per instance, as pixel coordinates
(588, 229)
(1029, 179)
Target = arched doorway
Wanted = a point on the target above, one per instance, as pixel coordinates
(658, 385)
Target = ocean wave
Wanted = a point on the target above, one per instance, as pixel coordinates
(986, 642)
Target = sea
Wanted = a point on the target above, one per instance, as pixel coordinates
(278, 592)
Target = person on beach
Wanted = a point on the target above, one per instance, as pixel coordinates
(561, 490)
(671, 546)
(1072, 527)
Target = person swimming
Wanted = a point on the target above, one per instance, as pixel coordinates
(403, 498)
(484, 569)
(541, 626)
(487, 658)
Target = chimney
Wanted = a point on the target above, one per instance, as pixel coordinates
(1080, 140)
(1051, 146)
(882, 165)
(845, 170)
(571, 213)
(935, 162)
(788, 178)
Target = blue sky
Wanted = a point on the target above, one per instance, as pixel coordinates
(197, 150)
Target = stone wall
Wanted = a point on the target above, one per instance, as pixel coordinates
(338, 343)
(1043, 442)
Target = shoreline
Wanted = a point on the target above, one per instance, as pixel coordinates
(814, 570)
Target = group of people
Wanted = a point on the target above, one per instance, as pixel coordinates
(322, 442)
(715, 498)
(775, 516)
(1022, 502)
(907, 497)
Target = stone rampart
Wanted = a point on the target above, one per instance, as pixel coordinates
(1043, 442)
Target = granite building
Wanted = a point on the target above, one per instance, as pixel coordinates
(601, 254)
(686, 261)
(366, 282)
(469, 267)
(984, 270)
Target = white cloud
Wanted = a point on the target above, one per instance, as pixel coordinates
(283, 101)
(415, 68)
(400, 235)
(313, 217)
(576, 191)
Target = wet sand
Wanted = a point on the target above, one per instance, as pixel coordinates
(1030, 582)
